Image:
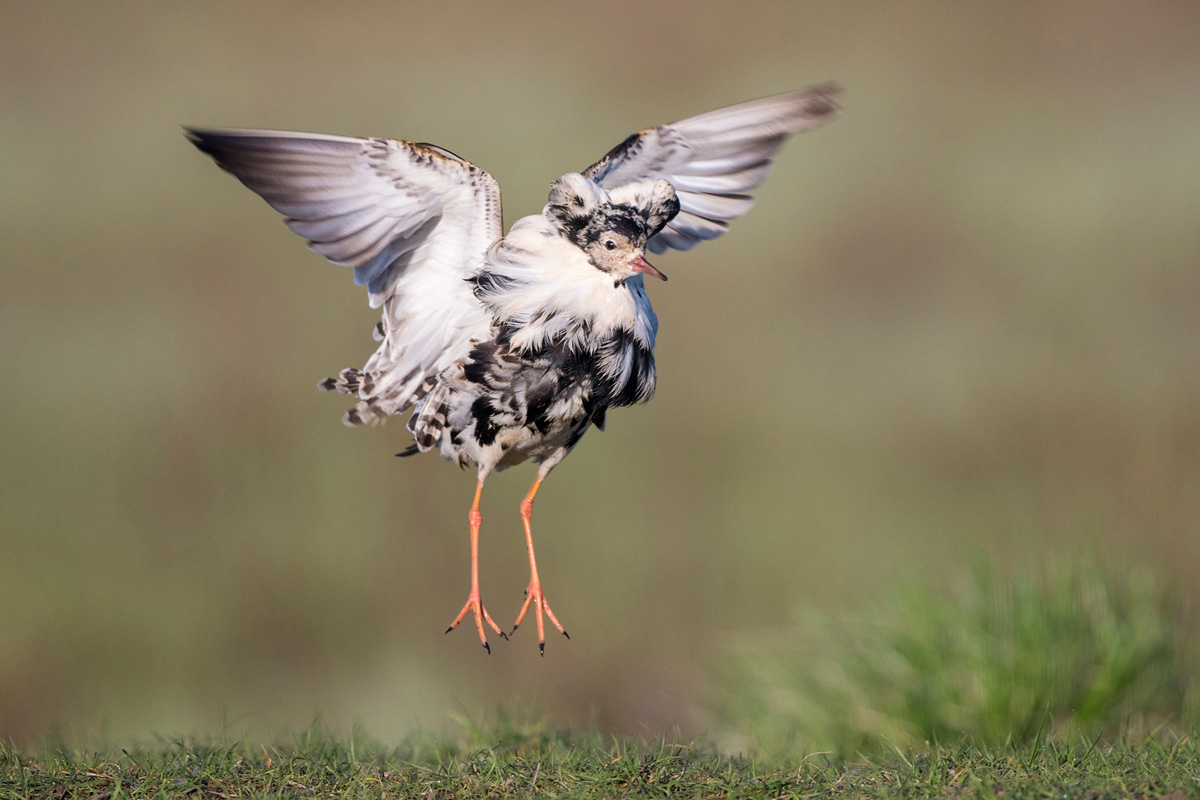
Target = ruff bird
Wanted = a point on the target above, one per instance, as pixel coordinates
(509, 347)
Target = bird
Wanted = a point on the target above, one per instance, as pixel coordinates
(509, 347)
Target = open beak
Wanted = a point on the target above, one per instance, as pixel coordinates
(640, 264)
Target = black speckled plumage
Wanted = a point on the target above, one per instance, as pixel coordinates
(509, 347)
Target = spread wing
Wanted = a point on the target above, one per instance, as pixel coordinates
(714, 159)
(413, 221)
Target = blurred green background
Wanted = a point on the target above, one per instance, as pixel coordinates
(962, 321)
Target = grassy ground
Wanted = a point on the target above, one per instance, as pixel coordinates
(1082, 646)
(1031, 687)
(550, 764)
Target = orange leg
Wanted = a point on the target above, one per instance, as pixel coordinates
(474, 603)
(533, 594)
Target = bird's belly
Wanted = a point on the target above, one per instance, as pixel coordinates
(520, 444)
(507, 405)
(499, 429)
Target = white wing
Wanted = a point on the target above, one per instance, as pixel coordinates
(712, 160)
(414, 222)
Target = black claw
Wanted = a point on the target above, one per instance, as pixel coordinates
(449, 629)
(566, 634)
(487, 647)
(542, 648)
(504, 636)
(514, 630)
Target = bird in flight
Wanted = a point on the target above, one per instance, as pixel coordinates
(509, 347)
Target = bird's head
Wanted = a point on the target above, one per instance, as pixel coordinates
(612, 228)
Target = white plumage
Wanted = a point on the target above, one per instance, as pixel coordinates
(510, 347)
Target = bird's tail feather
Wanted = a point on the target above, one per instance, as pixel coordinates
(349, 381)
(429, 420)
(380, 399)
(356, 382)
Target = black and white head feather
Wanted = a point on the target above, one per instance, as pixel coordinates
(582, 210)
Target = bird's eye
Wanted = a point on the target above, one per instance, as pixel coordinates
(610, 244)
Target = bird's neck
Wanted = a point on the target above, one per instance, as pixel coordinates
(542, 289)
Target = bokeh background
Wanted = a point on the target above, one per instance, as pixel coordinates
(962, 322)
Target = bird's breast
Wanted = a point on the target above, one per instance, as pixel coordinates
(540, 287)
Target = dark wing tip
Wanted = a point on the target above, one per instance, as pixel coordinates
(827, 89)
(213, 141)
(820, 100)
(206, 134)
(196, 136)
(285, 144)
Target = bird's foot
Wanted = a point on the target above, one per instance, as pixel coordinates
(534, 596)
(474, 603)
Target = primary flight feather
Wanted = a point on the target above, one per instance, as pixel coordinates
(509, 347)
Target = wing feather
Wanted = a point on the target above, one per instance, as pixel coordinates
(723, 182)
(413, 221)
(331, 228)
(698, 227)
(713, 160)
(719, 206)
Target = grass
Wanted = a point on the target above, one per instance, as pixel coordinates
(1070, 684)
(1082, 646)
(542, 762)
